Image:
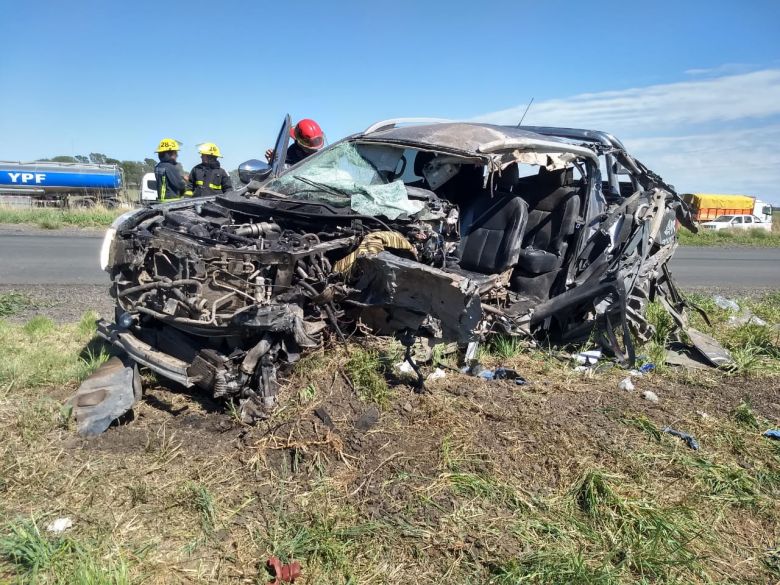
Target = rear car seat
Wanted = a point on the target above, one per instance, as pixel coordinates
(554, 206)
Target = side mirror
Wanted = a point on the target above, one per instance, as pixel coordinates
(253, 170)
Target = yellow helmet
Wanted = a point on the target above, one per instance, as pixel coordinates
(210, 149)
(167, 145)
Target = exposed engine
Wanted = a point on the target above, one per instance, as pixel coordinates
(235, 294)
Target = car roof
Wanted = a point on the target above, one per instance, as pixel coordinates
(469, 138)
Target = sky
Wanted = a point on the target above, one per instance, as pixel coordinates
(692, 88)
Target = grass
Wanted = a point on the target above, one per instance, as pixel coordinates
(755, 348)
(198, 498)
(366, 372)
(506, 347)
(38, 354)
(562, 481)
(37, 557)
(733, 237)
(54, 218)
(12, 303)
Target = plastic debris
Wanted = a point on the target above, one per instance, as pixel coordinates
(499, 373)
(404, 367)
(283, 573)
(436, 374)
(642, 370)
(745, 317)
(689, 439)
(324, 416)
(650, 396)
(626, 384)
(587, 358)
(724, 303)
(772, 434)
(59, 525)
(703, 415)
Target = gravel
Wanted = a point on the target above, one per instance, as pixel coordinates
(62, 303)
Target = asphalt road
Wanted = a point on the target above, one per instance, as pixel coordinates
(68, 259)
(50, 258)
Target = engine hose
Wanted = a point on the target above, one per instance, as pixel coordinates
(159, 284)
(184, 320)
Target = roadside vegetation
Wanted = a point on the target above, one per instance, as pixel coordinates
(13, 302)
(54, 218)
(757, 238)
(565, 479)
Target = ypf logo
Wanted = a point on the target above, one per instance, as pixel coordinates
(27, 178)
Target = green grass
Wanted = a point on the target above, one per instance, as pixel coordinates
(366, 372)
(475, 488)
(198, 498)
(52, 218)
(39, 353)
(599, 533)
(737, 237)
(755, 348)
(505, 347)
(12, 303)
(332, 536)
(36, 557)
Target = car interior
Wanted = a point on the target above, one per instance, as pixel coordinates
(528, 222)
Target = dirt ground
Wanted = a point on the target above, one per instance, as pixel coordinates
(533, 430)
(65, 303)
(396, 467)
(565, 479)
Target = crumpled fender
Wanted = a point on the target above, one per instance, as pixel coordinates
(106, 395)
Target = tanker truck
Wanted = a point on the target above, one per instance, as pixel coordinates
(59, 184)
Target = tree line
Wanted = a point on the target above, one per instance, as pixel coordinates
(133, 170)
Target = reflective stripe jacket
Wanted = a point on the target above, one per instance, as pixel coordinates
(170, 183)
(208, 180)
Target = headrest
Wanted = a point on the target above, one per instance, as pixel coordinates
(554, 179)
(507, 179)
(548, 189)
(422, 159)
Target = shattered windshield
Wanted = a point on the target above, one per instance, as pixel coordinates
(364, 177)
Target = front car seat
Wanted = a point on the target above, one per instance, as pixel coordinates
(492, 232)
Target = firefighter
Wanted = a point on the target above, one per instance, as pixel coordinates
(170, 182)
(308, 138)
(208, 178)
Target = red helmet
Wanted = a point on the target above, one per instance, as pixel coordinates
(308, 134)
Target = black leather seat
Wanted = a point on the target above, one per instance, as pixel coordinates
(554, 206)
(492, 232)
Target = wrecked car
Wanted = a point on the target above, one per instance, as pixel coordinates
(452, 232)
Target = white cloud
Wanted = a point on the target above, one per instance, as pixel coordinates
(657, 107)
(693, 133)
(725, 69)
(735, 161)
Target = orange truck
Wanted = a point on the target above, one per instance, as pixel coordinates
(708, 206)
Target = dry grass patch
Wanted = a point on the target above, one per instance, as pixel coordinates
(564, 480)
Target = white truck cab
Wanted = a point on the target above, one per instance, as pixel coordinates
(149, 187)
